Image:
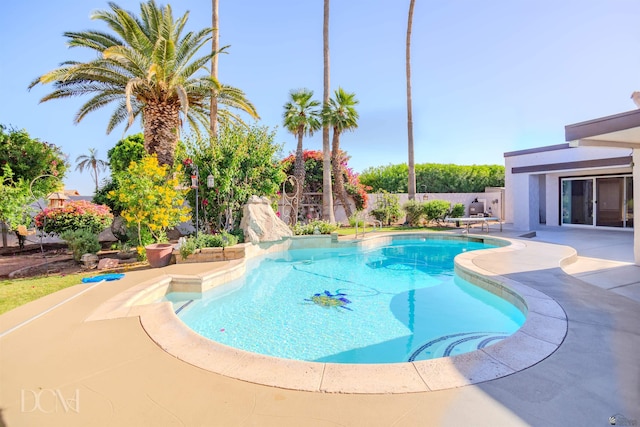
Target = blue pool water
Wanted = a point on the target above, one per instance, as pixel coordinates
(396, 303)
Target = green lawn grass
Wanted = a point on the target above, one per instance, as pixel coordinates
(16, 292)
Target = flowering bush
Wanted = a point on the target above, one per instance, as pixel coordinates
(151, 197)
(74, 215)
(313, 177)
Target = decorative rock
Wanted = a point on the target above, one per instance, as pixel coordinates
(260, 223)
(106, 263)
(89, 261)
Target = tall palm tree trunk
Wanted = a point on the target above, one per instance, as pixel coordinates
(327, 193)
(161, 125)
(215, 45)
(94, 166)
(336, 161)
(299, 173)
(412, 165)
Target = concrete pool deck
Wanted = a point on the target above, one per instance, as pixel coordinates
(61, 370)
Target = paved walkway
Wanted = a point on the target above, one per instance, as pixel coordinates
(60, 370)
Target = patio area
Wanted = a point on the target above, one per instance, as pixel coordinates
(59, 369)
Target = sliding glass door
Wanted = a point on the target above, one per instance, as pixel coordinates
(600, 201)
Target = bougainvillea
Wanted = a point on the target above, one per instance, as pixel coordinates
(313, 179)
(74, 215)
(151, 196)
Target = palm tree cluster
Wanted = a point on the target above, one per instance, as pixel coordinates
(149, 68)
(302, 116)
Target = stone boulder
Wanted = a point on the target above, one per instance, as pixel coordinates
(260, 223)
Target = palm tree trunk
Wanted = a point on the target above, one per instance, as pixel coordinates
(327, 193)
(412, 166)
(336, 161)
(215, 45)
(299, 173)
(161, 125)
(95, 173)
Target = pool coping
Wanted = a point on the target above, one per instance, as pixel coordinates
(540, 336)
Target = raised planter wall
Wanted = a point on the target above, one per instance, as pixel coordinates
(212, 254)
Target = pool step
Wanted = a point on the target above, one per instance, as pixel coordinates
(450, 345)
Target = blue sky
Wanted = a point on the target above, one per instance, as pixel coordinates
(488, 77)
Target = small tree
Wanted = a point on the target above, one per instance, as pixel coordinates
(152, 198)
(29, 158)
(28, 169)
(387, 208)
(14, 200)
(242, 163)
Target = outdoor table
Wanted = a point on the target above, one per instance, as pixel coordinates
(483, 220)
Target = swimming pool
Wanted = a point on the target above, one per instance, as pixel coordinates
(397, 302)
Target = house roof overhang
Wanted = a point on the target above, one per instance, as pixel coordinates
(620, 130)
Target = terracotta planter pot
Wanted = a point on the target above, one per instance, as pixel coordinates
(159, 254)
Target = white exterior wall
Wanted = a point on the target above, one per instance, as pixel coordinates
(493, 201)
(636, 200)
(522, 192)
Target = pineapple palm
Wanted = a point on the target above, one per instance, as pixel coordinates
(301, 117)
(342, 116)
(149, 68)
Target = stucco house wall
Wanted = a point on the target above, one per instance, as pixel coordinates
(532, 179)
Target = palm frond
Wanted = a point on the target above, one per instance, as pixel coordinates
(95, 40)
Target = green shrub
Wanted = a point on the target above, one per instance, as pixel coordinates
(457, 211)
(387, 208)
(239, 233)
(356, 218)
(219, 240)
(436, 210)
(81, 242)
(415, 212)
(188, 247)
(323, 227)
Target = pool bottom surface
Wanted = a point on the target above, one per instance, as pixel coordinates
(396, 303)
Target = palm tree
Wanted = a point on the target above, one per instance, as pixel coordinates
(91, 162)
(342, 116)
(412, 165)
(215, 46)
(148, 67)
(301, 117)
(327, 194)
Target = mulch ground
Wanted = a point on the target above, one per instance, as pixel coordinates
(55, 260)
